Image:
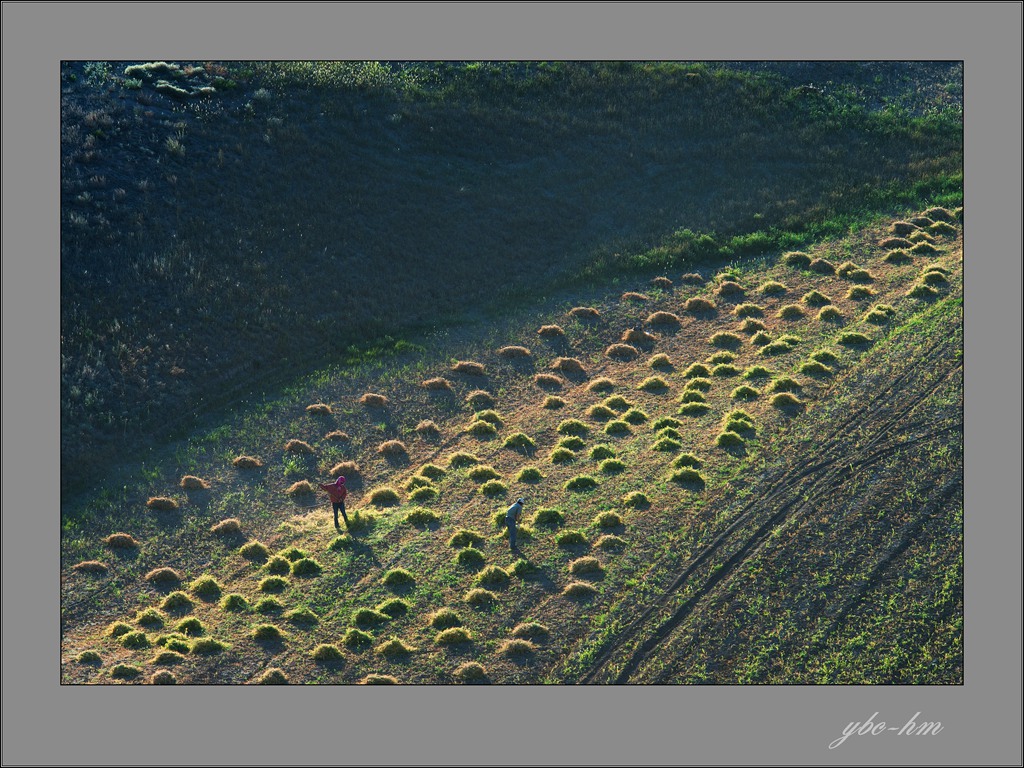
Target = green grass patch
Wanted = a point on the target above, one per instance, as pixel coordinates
(482, 429)
(273, 584)
(466, 538)
(785, 384)
(481, 473)
(549, 518)
(398, 577)
(898, 256)
(268, 633)
(666, 421)
(306, 567)
(814, 368)
(453, 636)
(610, 543)
(721, 357)
(729, 439)
(752, 326)
(748, 309)
(254, 551)
(135, 640)
(756, 372)
(608, 520)
(617, 427)
(830, 315)
(394, 648)
(826, 356)
(470, 557)
(190, 627)
(660, 361)
(432, 472)
(775, 288)
(89, 657)
(235, 603)
(922, 291)
(553, 403)
(859, 293)
(689, 475)
(572, 443)
(167, 658)
(582, 482)
(562, 456)
(124, 672)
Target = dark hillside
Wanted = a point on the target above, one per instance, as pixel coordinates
(240, 224)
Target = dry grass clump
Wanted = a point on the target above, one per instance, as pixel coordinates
(726, 340)
(460, 460)
(653, 384)
(162, 504)
(437, 384)
(384, 496)
(268, 633)
(921, 237)
(721, 357)
(229, 527)
(608, 520)
(637, 337)
(398, 577)
(428, 429)
(822, 267)
(274, 584)
(745, 392)
(494, 488)
(164, 576)
(468, 367)
(517, 647)
(785, 400)
(662, 282)
(319, 409)
(696, 370)
(853, 338)
(636, 500)
(568, 365)
(548, 381)
(940, 214)
(482, 473)
(895, 242)
(698, 305)
(471, 672)
(797, 259)
(278, 565)
(393, 449)
(898, 256)
(337, 436)
(725, 369)
(444, 619)
(480, 597)
(377, 679)
(748, 310)
(942, 229)
(830, 315)
(206, 587)
(553, 403)
(193, 483)
(91, 567)
(373, 400)
(601, 384)
(301, 488)
(814, 368)
(551, 331)
(531, 630)
(579, 590)
(859, 292)
(121, 541)
(694, 409)
(934, 277)
(584, 313)
(492, 576)
(634, 296)
(860, 276)
(326, 652)
(922, 291)
(790, 312)
(514, 352)
(617, 427)
(586, 566)
(480, 398)
(660, 361)
(177, 602)
(453, 636)
(298, 446)
(272, 676)
(663, 318)
(921, 221)
(729, 289)
(600, 413)
(698, 384)
(125, 672)
(345, 469)
(480, 428)
(924, 249)
(247, 462)
(903, 228)
(306, 567)
(395, 648)
(760, 339)
(692, 278)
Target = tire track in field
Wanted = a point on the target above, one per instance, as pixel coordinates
(824, 459)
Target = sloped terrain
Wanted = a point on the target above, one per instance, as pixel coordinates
(740, 474)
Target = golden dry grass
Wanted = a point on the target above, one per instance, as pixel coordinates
(699, 305)
(91, 567)
(392, 448)
(164, 575)
(301, 488)
(469, 368)
(319, 409)
(551, 331)
(622, 352)
(338, 436)
(548, 381)
(634, 296)
(373, 400)
(162, 504)
(298, 446)
(437, 384)
(345, 469)
(193, 483)
(480, 398)
(895, 242)
(247, 462)
(692, 278)
(514, 352)
(663, 318)
(121, 541)
(229, 527)
(568, 365)
(903, 228)
(584, 313)
(428, 428)
(662, 282)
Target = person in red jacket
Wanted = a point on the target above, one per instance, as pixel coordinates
(337, 491)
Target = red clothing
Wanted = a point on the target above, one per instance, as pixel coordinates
(336, 492)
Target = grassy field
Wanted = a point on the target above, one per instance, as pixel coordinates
(230, 228)
(739, 468)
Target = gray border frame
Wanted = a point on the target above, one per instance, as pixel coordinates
(46, 724)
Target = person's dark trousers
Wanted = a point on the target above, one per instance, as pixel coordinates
(511, 532)
(340, 505)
